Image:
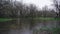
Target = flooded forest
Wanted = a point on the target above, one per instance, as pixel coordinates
(19, 18)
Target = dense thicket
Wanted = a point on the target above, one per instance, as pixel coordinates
(15, 9)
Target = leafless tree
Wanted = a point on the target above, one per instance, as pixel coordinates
(57, 6)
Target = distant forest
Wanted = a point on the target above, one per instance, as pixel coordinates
(9, 9)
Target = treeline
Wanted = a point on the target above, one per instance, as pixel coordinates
(17, 9)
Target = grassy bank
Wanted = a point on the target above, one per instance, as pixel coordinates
(38, 18)
(47, 19)
(5, 19)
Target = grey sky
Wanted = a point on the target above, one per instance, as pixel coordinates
(39, 3)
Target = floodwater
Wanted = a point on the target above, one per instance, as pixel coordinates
(29, 26)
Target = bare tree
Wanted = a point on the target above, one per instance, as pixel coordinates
(32, 9)
(57, 6)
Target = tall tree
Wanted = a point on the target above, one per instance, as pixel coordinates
(32, 11)
(57, 6)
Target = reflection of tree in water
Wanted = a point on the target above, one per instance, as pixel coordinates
(6, 26)
(20, 12)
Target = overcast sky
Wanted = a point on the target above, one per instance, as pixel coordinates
(39, 3)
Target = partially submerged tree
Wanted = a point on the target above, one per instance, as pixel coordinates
(57, 5)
